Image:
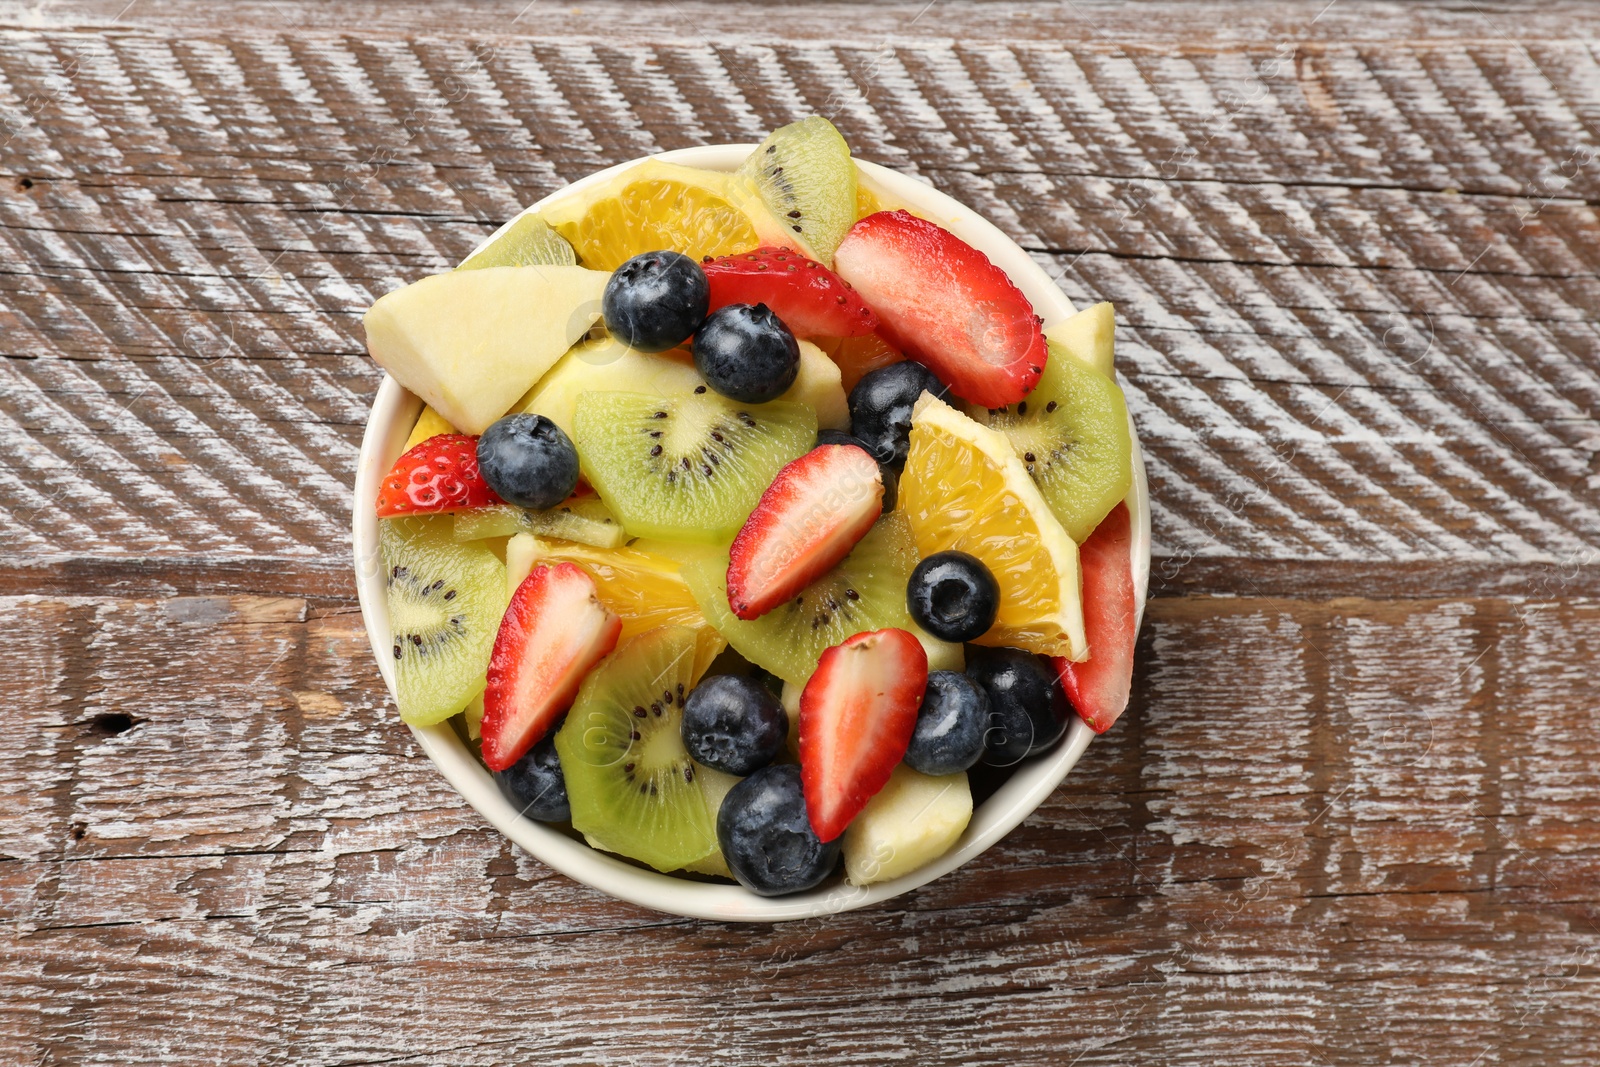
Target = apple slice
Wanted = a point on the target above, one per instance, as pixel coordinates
(1098, 687)
(470, 343)
(1088, 337)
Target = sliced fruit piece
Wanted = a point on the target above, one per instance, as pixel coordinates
(819, 387)
(646, 589)
(680, 552)
(964, 488)
(856, 716)
(521, 552)
(867, 202)
(809, 519)
(553, 632)
(429, 424)
(657, 205)
(857, 357)
(1088, 337)
(1098, 687)
(440, 474)
(686, 468)
(529, 241)
(912, 821)
(606, 363)
(810, 299)
(444, 601)
(804, 175)
(582, 517)
(1072, 436)
(945, 305)
(473, 715)
(630, 782)
(715, 785)
(471, 342)
(867, 591)
(790, 699)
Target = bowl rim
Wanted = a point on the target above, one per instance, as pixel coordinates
(394, 410)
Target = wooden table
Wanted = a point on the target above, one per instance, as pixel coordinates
(1351, 816)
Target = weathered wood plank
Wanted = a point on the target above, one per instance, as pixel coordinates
(1353, 831)
(1225, 22)
(1357, 280)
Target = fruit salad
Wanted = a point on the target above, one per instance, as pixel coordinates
(753, 527)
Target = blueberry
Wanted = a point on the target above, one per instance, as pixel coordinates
(766, 836)
(734, 724)
(746, 353)
(1028, 710)
(528, 460)
(656, 300)
(839, 437)
(953, 596)
(880, 408)
(951, 725)
(891, 481)
(536, 785)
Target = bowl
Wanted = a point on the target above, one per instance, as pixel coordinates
(394, 410)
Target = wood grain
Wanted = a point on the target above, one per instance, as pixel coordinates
(1360, 836)
(1355, 280)
(1350, 817)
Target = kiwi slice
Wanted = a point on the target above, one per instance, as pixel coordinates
(690, 467)
(445, 600)
(530, 241)
(804, 174)
(866, 591)
(630, 781)
(585, 520)
(1072, 434)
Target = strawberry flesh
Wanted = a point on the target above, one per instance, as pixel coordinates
(553, 632)
(809, 519)
(946, 306)
(1098, 687)
(808, 297)
(857, 713)
(439, 474)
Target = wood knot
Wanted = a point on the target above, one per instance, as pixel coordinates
(111, 723)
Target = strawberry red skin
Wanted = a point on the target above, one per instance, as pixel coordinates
(810, 299)
(554, 631)
(1098, 687)
(439, 474)
(857, 713)
(946, 306)
(809, 519)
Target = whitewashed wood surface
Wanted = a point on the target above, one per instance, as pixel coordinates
(1351, 817)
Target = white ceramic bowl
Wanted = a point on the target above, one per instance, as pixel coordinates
(395, 410)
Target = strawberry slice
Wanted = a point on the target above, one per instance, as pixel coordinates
(808, 297)
(857, 713)
(439, 474)
(946, 306)
(1098, 687)
(553, 632)
(809, 518)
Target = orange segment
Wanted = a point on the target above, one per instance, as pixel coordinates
(859, 356)
(965, 489)
(644, 588)
(653, 206)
